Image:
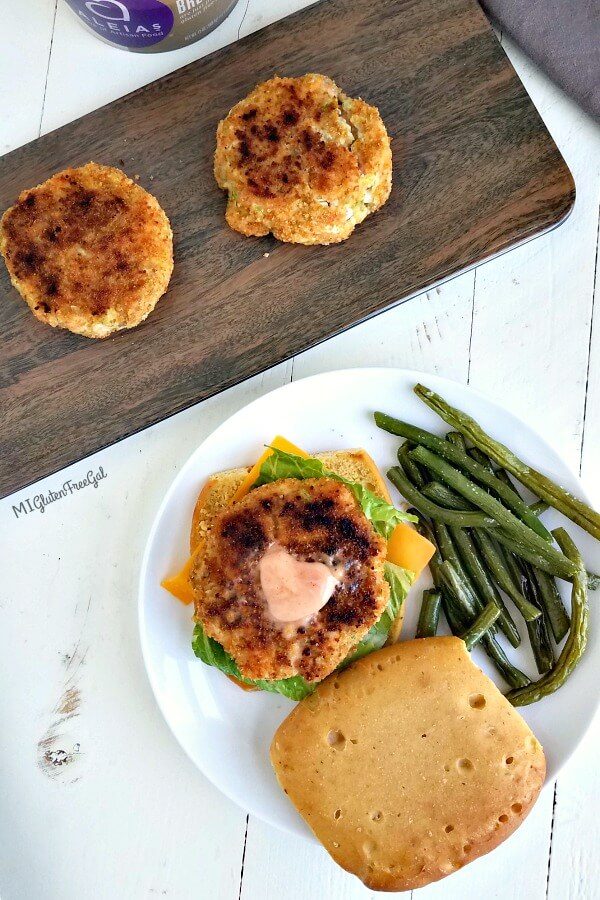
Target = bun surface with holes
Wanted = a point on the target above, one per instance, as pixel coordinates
(409, 764)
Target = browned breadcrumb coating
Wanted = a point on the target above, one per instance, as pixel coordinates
(317, 520)
(302, 160)
(88, 250)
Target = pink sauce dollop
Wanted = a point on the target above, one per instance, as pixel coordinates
(294, 590)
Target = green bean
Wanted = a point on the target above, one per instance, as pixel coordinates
(523, 576)
(477, 599)
(429, 616)
(495, 562)
(542, 486)
(523, 551)
(481, 625)
(462, 609)
(513, 676)
(537, 508)
(458, 457)
(539, 633)
(482, 582)
(452, 615)
(483, 460)
(546, 591)
(576, 641)
(410, 467)
(443, 496)
(537, 629)
(456, 438)
(454, 581)
(424, 527)
(553, 605)
(449, 554)
(513, 527)
(452, 517)
(493, 556)
(456, 618)
(541, 647)
(513, 567)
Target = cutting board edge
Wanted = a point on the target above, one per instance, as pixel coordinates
(4, 494)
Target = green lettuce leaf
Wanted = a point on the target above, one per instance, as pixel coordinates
(383, 516)
(400, 581)
(213, 654)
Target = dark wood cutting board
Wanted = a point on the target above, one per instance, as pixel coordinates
(475, 172)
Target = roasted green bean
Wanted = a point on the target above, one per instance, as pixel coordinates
(456, 438)
(542, 486)
(510, 524)
(538, 630)
(464, 612)
(546, 591)
(479, 577)
(450, 554)
(481, 625)
(482, 459)
(398, 478)
(458, 457)
(495, 562)
(410, 467)
(443, 496)
(576, 641)
(554, 607)
(429, 616)
(458, 618)
(524, 551)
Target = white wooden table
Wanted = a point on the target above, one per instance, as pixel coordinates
(96, 798)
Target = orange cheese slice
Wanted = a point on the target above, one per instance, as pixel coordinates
(409, 549)
(179, 584)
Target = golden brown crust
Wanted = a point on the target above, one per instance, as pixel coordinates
(88, 250)
(442, 768)
(302, 160)
(315, 520)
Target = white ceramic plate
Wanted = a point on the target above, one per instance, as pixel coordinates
(227, 731)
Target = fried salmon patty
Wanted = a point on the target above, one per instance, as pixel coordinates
(302, 160)
(316, 520)
(88, 250)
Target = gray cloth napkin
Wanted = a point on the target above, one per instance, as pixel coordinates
(561, 36)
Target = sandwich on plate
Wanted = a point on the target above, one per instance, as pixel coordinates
(299, 566)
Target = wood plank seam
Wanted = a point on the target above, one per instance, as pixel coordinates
(47, 69)
(554, 801)
(243, 858)
(587, 376)
(243, 19)
(472, 325)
